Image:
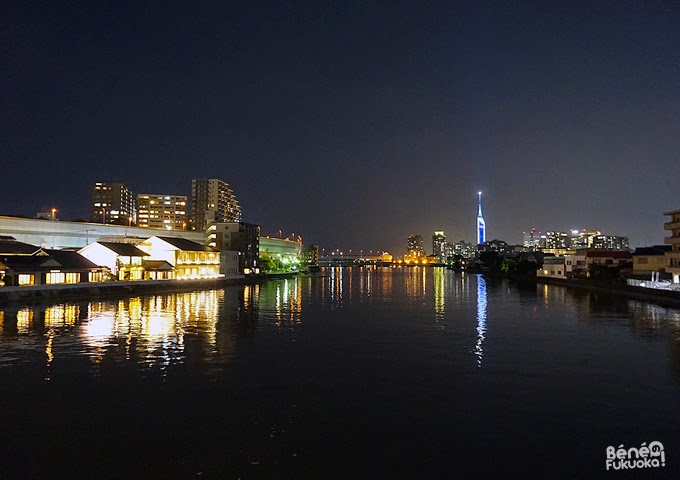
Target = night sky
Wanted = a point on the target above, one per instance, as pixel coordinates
(352, 124)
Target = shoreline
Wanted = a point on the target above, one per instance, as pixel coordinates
(661, 297)
(122, 289)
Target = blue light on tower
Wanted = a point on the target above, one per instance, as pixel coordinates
(481, 225)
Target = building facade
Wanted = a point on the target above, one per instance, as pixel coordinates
(415, 247)
(647, 260)
(190, 260)
(557, 240)
(673, 257)
(112, 203)
(581, 239)
(439, 245)
(162, 211)
(212, 201)
(238, 237)
(553, 267)
(532, 239)
(610, 242)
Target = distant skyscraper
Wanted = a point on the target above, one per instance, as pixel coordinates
(112, 203)
(481, 225)
(212, 201)
(415, 247)
(583, 238)
(610, 242)
(532, 239)
(439, 244)
(557, 240)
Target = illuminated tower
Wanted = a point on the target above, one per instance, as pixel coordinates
(481, 225)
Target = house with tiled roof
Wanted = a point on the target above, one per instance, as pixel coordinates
(190, 260)
(11, 246)
(124, 260)
(49, 267)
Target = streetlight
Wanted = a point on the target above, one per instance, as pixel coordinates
(54, 210)
(129, 221)
(280, 233)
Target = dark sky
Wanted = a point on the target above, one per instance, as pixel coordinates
(353, 124)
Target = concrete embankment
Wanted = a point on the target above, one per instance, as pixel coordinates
(662, 297)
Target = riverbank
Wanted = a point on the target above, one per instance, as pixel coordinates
(79, 291)
(662, 297)
(108, 289)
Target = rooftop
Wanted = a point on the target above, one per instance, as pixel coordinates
(599, 253)
(658, 250)
(187, 245)
(124, 249)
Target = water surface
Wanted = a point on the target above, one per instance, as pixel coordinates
(354, 373)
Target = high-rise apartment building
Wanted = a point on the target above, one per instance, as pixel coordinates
(583, 238)
(112, 203)
(162, 211)
(556, 240)
(414, 246)
(532, 239)
(439, 244)
(610, 242)
(212, 200)
(464, 249)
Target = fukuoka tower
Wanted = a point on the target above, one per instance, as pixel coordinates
(481, 225)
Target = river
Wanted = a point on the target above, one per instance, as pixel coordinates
(352, 373)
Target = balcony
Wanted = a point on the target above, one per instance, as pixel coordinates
(672, 240)
(674, 225)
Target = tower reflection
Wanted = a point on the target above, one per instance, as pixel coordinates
(481, 318)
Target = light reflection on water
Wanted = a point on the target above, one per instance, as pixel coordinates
(155, 332)
(249, 374)
(481, 318)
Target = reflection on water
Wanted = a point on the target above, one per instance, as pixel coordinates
(439, 303)
(156, 332)
(234, 382)
(288, 303)
(481, 318)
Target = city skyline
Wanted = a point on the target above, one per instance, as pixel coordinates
(320, 116)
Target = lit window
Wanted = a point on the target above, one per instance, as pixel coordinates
(55, 277)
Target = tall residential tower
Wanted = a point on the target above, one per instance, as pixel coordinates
(212, 200)
(481, 225)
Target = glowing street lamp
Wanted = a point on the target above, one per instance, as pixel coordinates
(54, 210)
